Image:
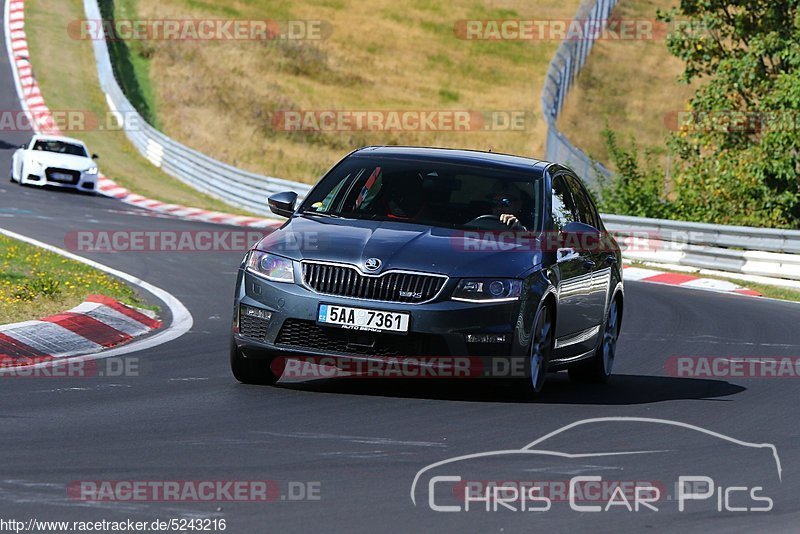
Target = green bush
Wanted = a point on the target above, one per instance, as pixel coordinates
(736, 161)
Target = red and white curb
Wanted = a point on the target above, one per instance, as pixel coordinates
(96, 324)
(109, 188)
(638, 274)
(32, 101)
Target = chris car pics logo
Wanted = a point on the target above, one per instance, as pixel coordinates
(662, 475)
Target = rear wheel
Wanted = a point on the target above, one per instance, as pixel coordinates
(598, 368)
(250, 371)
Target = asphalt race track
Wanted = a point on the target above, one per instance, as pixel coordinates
(362, 442)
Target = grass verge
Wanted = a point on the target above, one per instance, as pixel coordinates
(65, 70)
(770, 291)
(35, 283)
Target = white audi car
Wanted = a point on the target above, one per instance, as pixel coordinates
(56, 161)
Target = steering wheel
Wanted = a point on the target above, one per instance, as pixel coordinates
(488, 222)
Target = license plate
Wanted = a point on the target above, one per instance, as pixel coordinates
(61, 177)
(362, 319)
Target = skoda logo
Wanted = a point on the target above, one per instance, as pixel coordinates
(372, 264)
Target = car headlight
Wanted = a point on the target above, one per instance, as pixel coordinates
(488, 290)
(270, 266)
(91, 170)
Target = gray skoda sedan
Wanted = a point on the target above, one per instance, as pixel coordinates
(405, 252)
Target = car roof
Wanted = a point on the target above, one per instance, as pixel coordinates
(455, 156)
(64, 138)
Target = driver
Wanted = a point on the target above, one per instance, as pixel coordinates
(507, 205)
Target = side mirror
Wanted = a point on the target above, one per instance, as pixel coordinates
(282, 203)
(580, 228)
(577, 239)
(95, 156)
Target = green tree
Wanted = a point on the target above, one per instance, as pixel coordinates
(739, 153)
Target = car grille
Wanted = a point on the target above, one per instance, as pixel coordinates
(346, 281)
(253, 327)
(310, 336)
(75, 176)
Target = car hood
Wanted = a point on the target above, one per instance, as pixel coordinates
(64, 161)
(400, 246)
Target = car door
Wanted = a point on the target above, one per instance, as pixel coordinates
(575, 285)
(595, 254)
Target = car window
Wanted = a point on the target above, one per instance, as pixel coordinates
(563, 206)
(587, 213)
(435, 193)
(327, 203)
(60, 147)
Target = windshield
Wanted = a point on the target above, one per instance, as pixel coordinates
(428, 192)
(60, 147)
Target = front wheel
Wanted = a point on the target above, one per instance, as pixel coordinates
(541, 349)
(248, 371)
(598, 368)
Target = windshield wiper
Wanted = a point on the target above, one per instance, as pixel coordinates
(321, 214)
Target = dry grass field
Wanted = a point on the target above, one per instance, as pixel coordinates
(219, 96)
(632, 84)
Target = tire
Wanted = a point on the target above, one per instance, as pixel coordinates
(541, 350)
(598, 368)
(249, 371)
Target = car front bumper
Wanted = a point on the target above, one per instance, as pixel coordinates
(436, 329)
(82, 181)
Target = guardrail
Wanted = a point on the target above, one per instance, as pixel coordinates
(561, 74)
(737, 249)
(235, 186)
